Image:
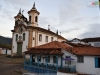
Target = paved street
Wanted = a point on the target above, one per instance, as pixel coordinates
(8, 69)
(9, 66)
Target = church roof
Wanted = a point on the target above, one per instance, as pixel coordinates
(47, 31)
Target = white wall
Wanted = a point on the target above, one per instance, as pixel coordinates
(93, 44)
(3, 51)
(14, 49)
(43, 38)
(73, 62)
(88, 66)
(61, 73)
(24, 44)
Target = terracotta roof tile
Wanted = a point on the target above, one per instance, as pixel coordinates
(54, 47)
(95, 39)
(95, 51)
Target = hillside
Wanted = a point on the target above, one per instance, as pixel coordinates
(5, 42)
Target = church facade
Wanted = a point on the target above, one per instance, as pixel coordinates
(27, 34)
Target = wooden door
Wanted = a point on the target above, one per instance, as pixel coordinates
(19, 48)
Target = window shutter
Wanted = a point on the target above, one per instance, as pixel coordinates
(96, 62)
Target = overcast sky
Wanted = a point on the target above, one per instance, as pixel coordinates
(73, 18)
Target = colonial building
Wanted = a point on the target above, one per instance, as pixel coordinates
(27, 33)
(57, 58)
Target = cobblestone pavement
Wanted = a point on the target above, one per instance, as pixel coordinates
(9, 66)
(8, 69)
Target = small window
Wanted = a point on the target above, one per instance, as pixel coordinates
(36, 18)
(40, 37)
(46, 38)
(54, 59)
(29, 19)
(51, 39)
(97, 62)
(16, 37)
(80, 59)
(68, 62)
(23, 36)
(47, 59)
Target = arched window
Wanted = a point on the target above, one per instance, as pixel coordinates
(29, 19)
(16, 37)
(23, 36)
(36, 18)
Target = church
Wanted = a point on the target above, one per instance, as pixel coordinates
(27, 34)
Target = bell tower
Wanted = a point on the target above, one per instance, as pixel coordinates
(33, 16)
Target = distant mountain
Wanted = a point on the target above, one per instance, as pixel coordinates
(5, 40)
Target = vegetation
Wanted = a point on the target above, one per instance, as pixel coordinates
(5, 42)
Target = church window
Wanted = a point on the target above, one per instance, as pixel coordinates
(16, 37)
(46, 38)
(40, 37)
(29, 19)
(51, 39)
(23, 36)
(36, 19)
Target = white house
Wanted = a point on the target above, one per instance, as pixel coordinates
(56, 57)
(76, 41)
(27, 33)
(5, 51)
(92, 41)
(87, 41)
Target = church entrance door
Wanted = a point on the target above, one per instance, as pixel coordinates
(19, 48)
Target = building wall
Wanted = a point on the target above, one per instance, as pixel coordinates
(73, 62)
(95, 44)
(14, 48)
(43, 38)
(77, 41)
(51, 60)
(25, 43)
(61, 73)
(88, 66)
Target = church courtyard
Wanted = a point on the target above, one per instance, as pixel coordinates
(11, 66)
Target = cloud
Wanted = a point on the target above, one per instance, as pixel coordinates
(69, 10)
(93, 31)
(79, 19)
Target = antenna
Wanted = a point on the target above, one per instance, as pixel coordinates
(48, 27)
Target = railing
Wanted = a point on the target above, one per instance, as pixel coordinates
(51, 66)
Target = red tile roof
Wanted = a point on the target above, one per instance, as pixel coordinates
(91, 51)
(54, 47)
(95, 39)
